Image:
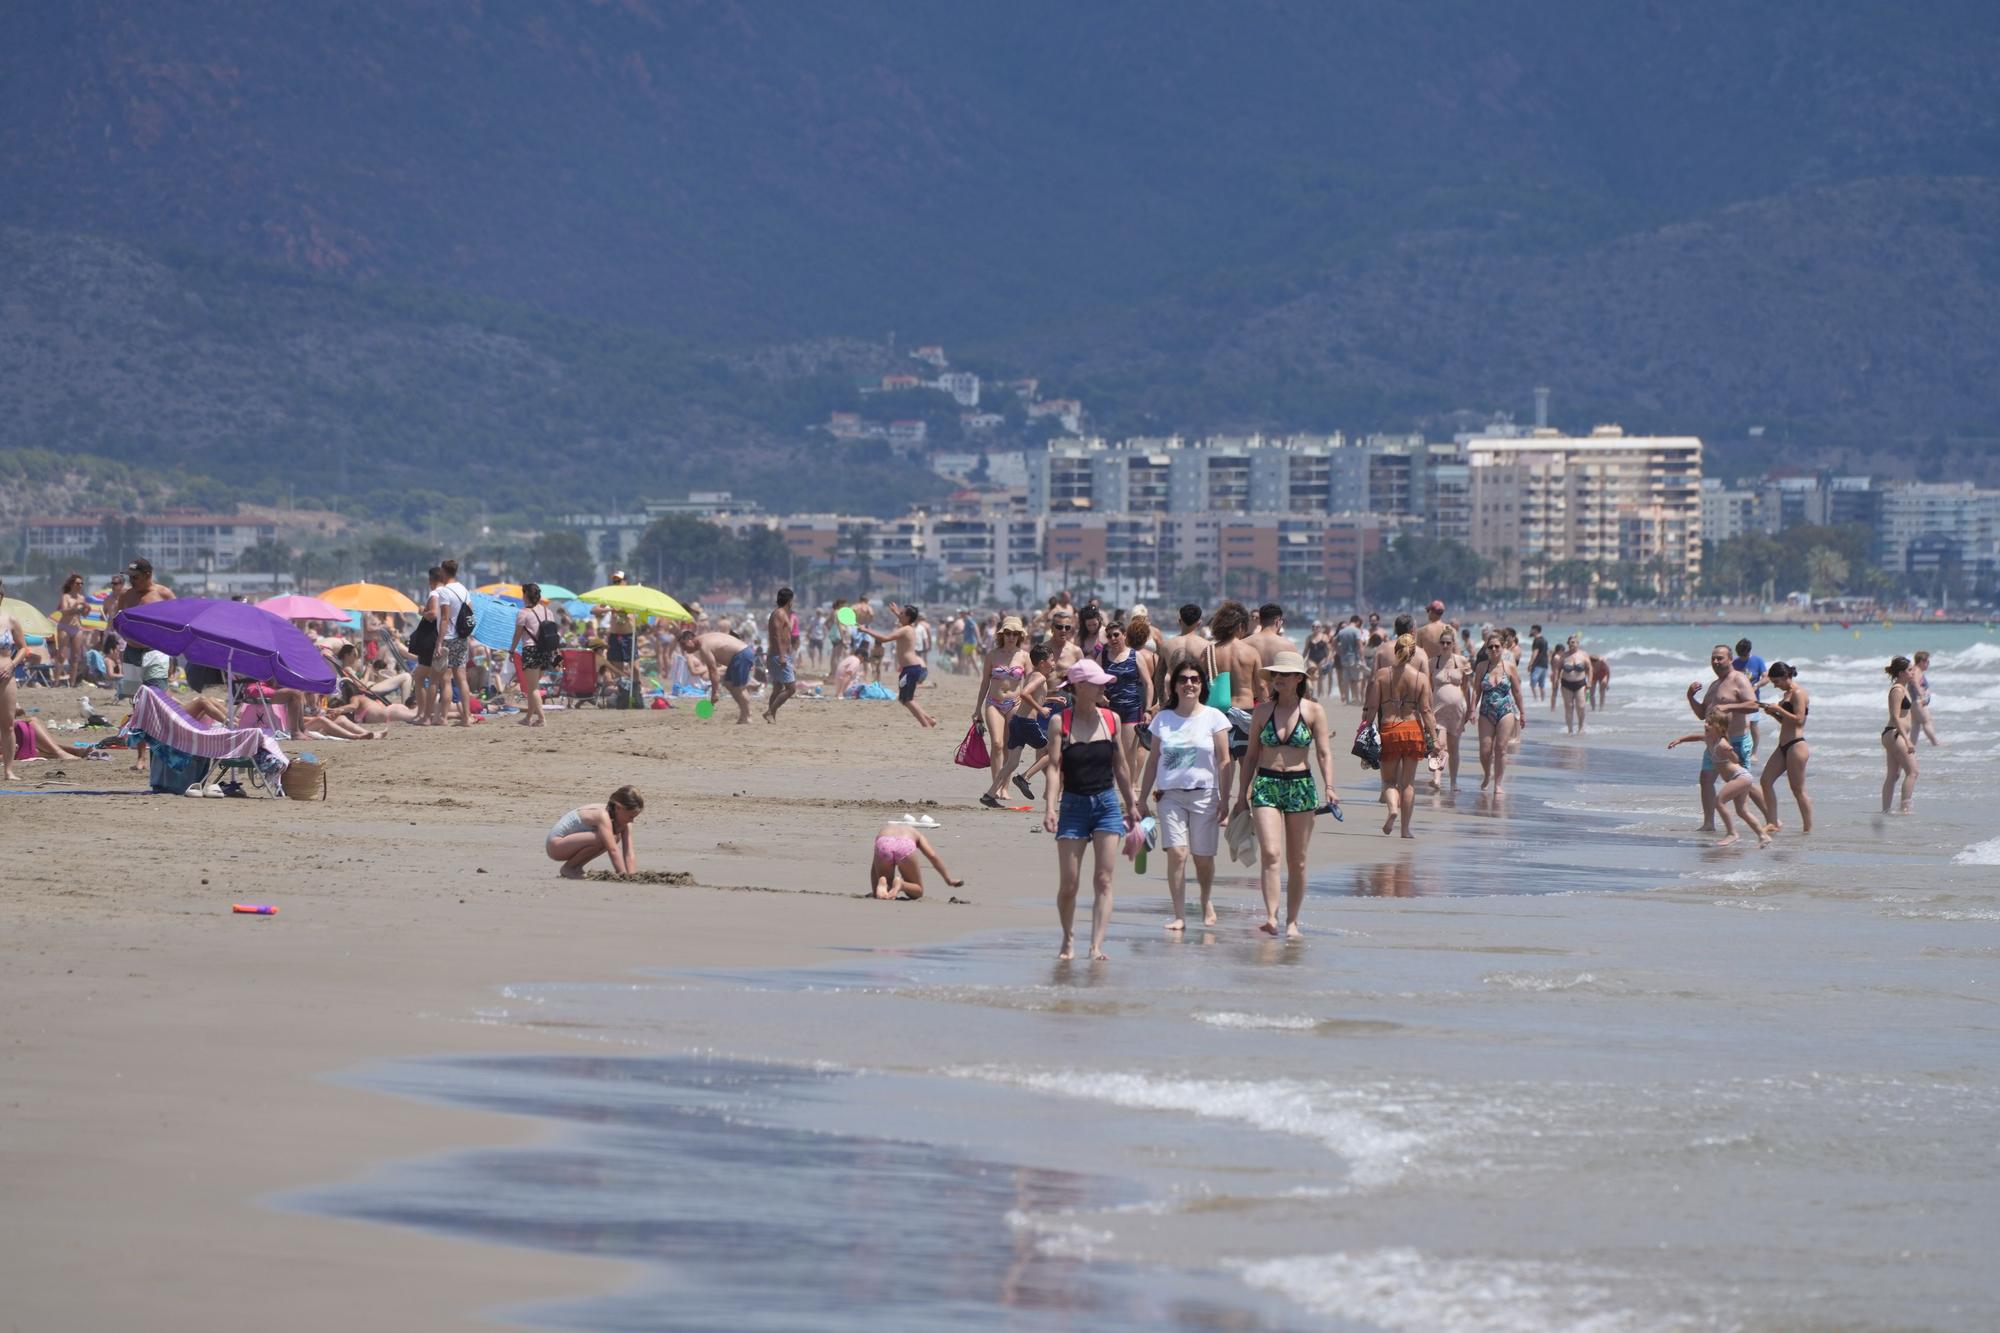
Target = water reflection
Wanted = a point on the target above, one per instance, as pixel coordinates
(758, 1224)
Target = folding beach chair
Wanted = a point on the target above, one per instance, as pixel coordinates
(579, 677)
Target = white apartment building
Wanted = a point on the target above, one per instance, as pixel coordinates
(172, 541)
(1545, 498)
(1726, 511)
(1924, 523)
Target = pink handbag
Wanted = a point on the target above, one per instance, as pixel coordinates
(972, 750)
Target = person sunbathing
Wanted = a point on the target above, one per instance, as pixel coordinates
(365, 701)
(34, 741)
(893, 872)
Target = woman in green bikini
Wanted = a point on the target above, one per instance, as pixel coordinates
(1277, 787)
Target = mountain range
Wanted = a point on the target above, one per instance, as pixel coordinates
(452, 230)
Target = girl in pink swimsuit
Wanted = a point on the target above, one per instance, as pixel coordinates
(893, 872)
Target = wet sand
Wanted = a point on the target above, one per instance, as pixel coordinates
(166, 1062)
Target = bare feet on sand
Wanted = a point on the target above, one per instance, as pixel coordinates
(1178, 923)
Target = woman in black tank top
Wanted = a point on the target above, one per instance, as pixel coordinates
(1088, 799)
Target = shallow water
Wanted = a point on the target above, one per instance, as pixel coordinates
(1578, 1068)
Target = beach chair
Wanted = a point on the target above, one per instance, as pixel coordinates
(580, 684)
(184, 749)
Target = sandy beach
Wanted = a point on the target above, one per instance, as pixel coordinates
(1523, 1073)
(164, 1061)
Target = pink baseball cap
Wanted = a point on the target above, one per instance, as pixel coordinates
(1436, 606)
(1087, 672)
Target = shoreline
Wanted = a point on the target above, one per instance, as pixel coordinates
(171, 1060)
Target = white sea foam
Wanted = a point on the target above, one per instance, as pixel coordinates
(1403, 1289)
(1377, 1152)
(1272, 1022)
(1949, 914)
(1540, 981)
(1980, 854)
(1059, 1237)
(1745, 904)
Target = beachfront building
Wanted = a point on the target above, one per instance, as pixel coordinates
(176, 540)
(1548, 502)
(1928, 526)
(611, 537)
(1318, 557)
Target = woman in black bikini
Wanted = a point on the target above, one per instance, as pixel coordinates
(1792, 752)
(1899, 748)
(1573, 671)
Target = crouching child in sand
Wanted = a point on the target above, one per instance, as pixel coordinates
(590, 831)
(893, 872)
(1735, 785)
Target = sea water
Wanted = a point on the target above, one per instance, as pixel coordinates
(1573, 1067)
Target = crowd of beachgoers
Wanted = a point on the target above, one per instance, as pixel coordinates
(1214, 729)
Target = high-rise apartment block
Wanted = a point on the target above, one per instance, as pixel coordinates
(1545, 499)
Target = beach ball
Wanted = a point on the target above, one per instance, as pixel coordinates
(845, 615)
(705, 709)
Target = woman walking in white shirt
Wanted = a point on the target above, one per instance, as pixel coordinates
(1185, 777)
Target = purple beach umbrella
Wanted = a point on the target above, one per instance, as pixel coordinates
(234, 637)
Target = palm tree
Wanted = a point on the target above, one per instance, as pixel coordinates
(1020, 591)
(1827, 571)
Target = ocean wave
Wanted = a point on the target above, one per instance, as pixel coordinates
(1980, 854)
(1377, 1152)
(1270, 1022)
(1542, 981)
(1403, 1289)
(1948, 914)
(1745, 904)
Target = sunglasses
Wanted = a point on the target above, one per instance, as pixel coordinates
(1188, 680)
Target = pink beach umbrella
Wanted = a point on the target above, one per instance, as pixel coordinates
(294, 606)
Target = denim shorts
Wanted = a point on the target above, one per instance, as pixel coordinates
(780, 670)
(1538, 677)
(1079, 816)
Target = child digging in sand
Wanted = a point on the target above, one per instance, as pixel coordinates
(590, 831)
(1734, 781)
(893, 872)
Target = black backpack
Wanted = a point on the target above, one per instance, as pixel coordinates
(462, 627)
(547, 638)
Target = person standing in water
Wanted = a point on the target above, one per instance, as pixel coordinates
(591, 831)
(1752, 666)
(1449, 676)
(1538, 664)
(1130, 693)
(1088, 796)
(1399, 698)
(1276, 785)
(1573, 678)
(1726, 760)
(1920, 680)
(1790, 757)
(1899, 740)
(1729, 696)
(1240, 665)
(1187, 777)
(999, 695)
(893, 872)
(1502, 717)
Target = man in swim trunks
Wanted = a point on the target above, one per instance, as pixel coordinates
(618, 635)
(728, 661)
(779, 668)
(1538, 665)
(139, 591)
(1270, 640)
(1189, 644)
(1729, 697)
(910, 668)
(1750, 665)
(1236, 655)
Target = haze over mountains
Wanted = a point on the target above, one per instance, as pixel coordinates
(1291, 215)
